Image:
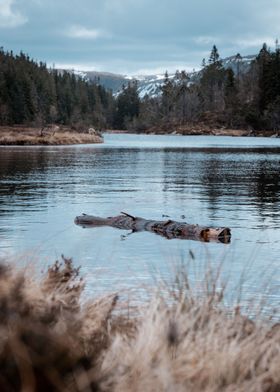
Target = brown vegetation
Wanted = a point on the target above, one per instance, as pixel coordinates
(50, 340)
(208, 124)
(202, 129)
(46, 136)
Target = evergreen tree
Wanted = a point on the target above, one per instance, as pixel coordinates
(182, 89)
(230, 88)
(212, 82)
(127, 105)
(214, 57)
(32, 94)
(238, 59)
(264, 64)
(167, 98)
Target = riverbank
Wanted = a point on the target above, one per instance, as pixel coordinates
(206, 130)
(54, 135)
(175, 340)
(200, 130)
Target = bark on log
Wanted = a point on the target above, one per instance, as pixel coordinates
(168, 229)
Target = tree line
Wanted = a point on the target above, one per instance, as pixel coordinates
(217, 96)
(32, 94)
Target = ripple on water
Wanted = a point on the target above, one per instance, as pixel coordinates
(217, 181)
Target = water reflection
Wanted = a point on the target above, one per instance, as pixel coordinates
(43, 189)
(221, 177)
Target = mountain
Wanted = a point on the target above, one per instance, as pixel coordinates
(238, 64)
(151, 84)
(148, 84)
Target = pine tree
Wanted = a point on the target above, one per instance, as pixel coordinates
(263, 61)
(127, 106)
(212, 82)
(238, 59)
(167, 98)
(214, 57)
(32, 94)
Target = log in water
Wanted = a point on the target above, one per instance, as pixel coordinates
(169, 229)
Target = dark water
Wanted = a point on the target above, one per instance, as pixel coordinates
(217, 181)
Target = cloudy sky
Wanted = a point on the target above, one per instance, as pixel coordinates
(136, 36)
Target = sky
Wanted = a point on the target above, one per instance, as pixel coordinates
(136, 36)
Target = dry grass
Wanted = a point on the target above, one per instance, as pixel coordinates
(176, 341)
(50, 136)
(201, 129)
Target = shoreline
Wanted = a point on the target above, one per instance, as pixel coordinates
(62, 135)
(49, 136)
(199, 131)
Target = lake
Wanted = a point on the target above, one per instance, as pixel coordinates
(216, 181)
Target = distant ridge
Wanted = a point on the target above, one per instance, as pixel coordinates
(151, 84)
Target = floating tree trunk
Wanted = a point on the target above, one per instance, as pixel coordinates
(168, 229)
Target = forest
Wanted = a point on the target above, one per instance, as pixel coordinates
(219, 97)
(34, 95)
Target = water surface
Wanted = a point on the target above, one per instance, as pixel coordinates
(218, 181)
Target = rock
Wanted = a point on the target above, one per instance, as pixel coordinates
(93, 131)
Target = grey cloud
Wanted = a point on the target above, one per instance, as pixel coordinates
(10, 17)
(129, 35)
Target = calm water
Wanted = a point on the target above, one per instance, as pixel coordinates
(219, 181)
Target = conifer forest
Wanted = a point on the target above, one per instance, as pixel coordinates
(32, 94)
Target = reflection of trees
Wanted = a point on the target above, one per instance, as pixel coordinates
(266, 187)
(17, 170)
(27, 174)
(213, 181)
(176, 170)
(216, 176)
(34, 174)
(225, 177)
(236, 179)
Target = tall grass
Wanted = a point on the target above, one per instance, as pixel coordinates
(52, 340)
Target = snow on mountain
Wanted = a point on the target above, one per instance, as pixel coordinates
(238, 64)
(151, 84)
(81, 74)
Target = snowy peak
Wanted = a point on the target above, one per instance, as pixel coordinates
(238, 64)
(151, 84)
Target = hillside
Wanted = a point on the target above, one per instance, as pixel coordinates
(233, 93)
(35, 95)
(151, 84)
